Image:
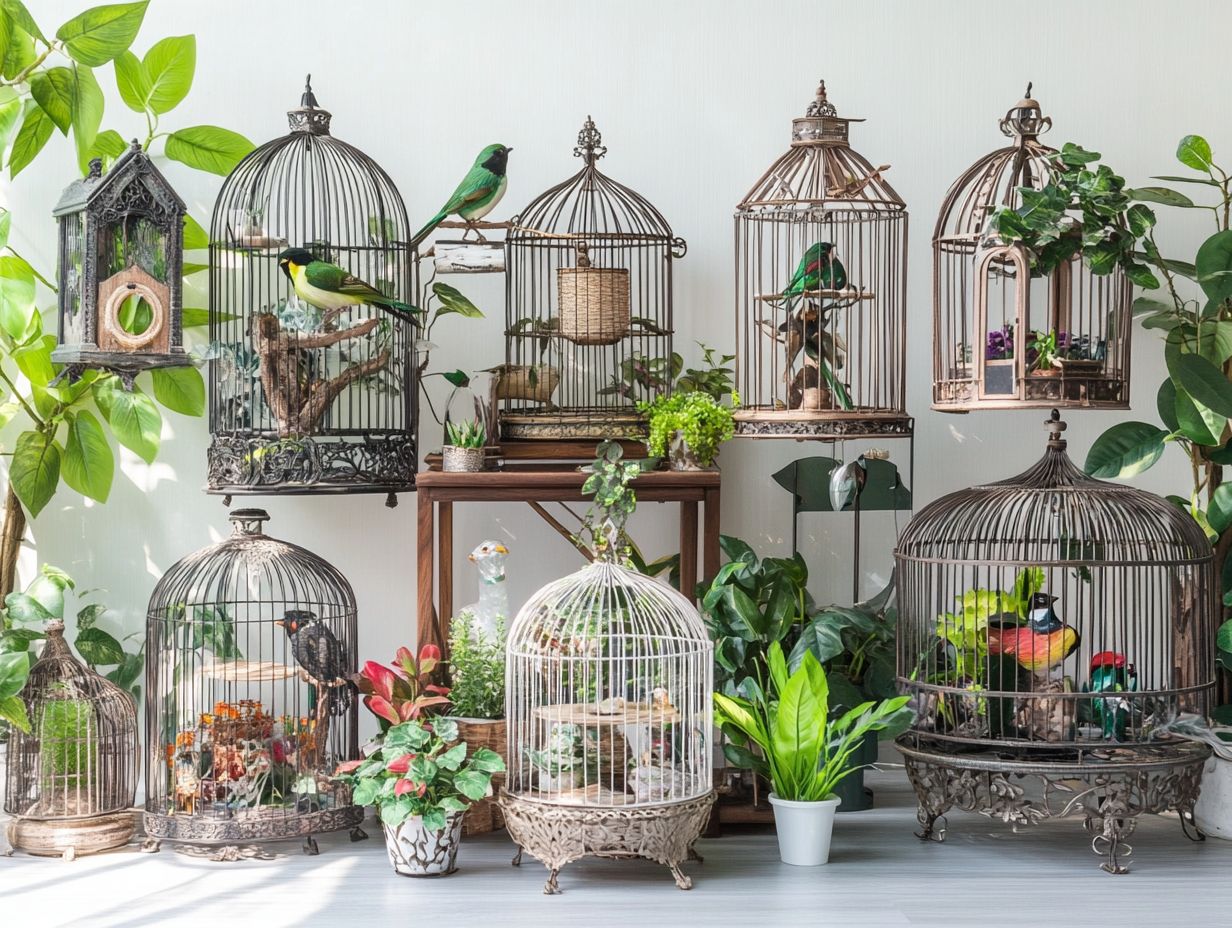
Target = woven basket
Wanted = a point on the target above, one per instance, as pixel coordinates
(484, 815)
(594, 302)
(515, 383)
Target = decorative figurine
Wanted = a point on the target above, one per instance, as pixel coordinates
(481, 189)
(489, 560)
(1039, 645)
(1111, 674)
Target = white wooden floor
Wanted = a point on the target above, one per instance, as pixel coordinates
(879, 875)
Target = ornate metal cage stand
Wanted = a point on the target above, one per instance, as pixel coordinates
(249, 646)
(1051, 626)
(992, 314)
(589, 307)
(821, 278)
(305, 401)
(607, 698)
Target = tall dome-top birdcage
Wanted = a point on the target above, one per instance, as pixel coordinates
(608, 676)
(309, 397)
(1053, 626)
(589, 307)
(821, 291)
(1006, 336)
(250, 646)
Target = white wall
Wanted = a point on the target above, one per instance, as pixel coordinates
(694, 100)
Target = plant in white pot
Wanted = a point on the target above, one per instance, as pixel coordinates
(781, 728)
(1213, 810)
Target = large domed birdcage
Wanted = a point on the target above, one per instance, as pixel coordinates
(609, 676)
(1052, 627)
(306, 399)
(589, 307)
(250, 647)
(71, 779)
(1008, 337)
(821, 291)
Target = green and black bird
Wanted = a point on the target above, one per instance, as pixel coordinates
(481, 189)
(818, 269)
(331, 288)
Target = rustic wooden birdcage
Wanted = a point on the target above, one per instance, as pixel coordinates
(305, 399)
(589, 307)
(1008, 337)
(821, 278)
(250, 644)
(1051, 627)
(609, 676)
(71, 779)
(120, 269)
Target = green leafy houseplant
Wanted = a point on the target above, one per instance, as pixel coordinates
(468, 434)
(48, 84)
(613, 498)
(695, 418)
(477, 669)
(68, 744)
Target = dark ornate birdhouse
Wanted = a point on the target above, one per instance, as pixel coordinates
(120, 269)
(250, 644)
(821, 286)
(1050, 628)
(589, 308)
(312, 385)
(1006, 335)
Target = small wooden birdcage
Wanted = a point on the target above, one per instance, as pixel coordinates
(1051, 627)
(589, 308)
(120, 270)
(71, 780)
(1005, 337)
(608, 684)
(821, 285)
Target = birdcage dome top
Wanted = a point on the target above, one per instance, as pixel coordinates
(249, 566)
(821, 169)
(58, 674)
(1054, 514)
(592, 205)
(994, 180)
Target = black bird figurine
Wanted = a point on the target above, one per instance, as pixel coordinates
(321, 656)
(1043, 618)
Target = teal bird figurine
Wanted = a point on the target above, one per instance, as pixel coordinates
(481, 189)
(1111, 674)
(818, 269)
(331, 288)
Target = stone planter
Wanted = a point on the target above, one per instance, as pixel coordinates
(681, 457)
(415, 851)
(456, 460)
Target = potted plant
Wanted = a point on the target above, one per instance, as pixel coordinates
(687, 429)
(802, 750)
(1213, 811)
(477, 671)
(464, 447)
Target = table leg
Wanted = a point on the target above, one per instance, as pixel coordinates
(444, 569)
(426, 619)
(710, 534)
(688, 548)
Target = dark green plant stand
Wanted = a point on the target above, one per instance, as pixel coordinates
(855, 795)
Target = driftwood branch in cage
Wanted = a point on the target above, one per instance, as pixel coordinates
(297, 404)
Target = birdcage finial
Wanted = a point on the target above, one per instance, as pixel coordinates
(308, 116)
(821, 123)
(821, 106)
(1024, 119)
(249, 521)
(1056, 426)
(589, 142)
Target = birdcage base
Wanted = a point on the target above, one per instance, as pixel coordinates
(763, 422)
(70, 838)
(1065, 391)
(568, 425)
(265, 465)
(558, 834)
(1109, 786)
(254, 826)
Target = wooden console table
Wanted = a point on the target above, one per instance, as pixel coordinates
(535, 484)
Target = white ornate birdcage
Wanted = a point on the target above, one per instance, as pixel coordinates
(609, 676)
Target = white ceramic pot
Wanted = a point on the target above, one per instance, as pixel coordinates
(1213, 812)
(804, 830)
(416, 851)
(680, 456)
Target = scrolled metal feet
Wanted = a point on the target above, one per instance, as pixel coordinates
(517, 858)
(1189, 825)
(683, 880)
(151, 846)
(358, 834)
(929, 830)
(310, 846)
(551, 887)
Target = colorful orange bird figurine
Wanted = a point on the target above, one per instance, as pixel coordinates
(1039, 645)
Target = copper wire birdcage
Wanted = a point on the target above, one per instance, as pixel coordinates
(305, 399)
(250, 647)
(1053, 625)
(608, 676)
(588, 307)
(821, 278)
(1003, 336)
(71, 779)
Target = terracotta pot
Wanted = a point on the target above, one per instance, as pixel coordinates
(415, 851)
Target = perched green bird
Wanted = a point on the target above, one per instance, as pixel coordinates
(330, 288)
(819, 269)
(481, 189)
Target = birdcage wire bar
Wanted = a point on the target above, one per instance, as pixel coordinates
(609, 678)
(828, 361)
(987, 305)
(241, 738)
(1053, 625)
(343, 417)
(588, 307)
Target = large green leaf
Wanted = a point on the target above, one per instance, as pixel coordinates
(742, 614)
(34, 360)
(52, 89)
(473, 784)
(16, 296)
(35, 130)
(454, 301)
(821, 638)
(180, 389)
(10, 112)
(169, 67)
(195, 236)
(99, 34)
(1219, 512)
(20, 16)
(107, 145)
(1160, 195)
(208, 148)
(1195, 421)
(1194, 152)
(13, 671)
(1125, 450)
(1203, 381)
(1214, 266)
(13, 711)
(131, 81)
(89, 464)
(87, 114)
(35, 470)
(20, 52)
(99, 649)
(1165, 405)
(134, 418)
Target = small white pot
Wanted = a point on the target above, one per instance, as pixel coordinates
(804, 830)
(416, 851)
(1213, 811)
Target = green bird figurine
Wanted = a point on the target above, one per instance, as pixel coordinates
(819, 269)
(481, 189)
(331, 289)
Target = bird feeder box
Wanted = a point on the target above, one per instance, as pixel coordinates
(120, 270)
(1005, 335)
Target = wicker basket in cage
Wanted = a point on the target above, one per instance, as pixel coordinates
(594, 302)
(485, 815)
